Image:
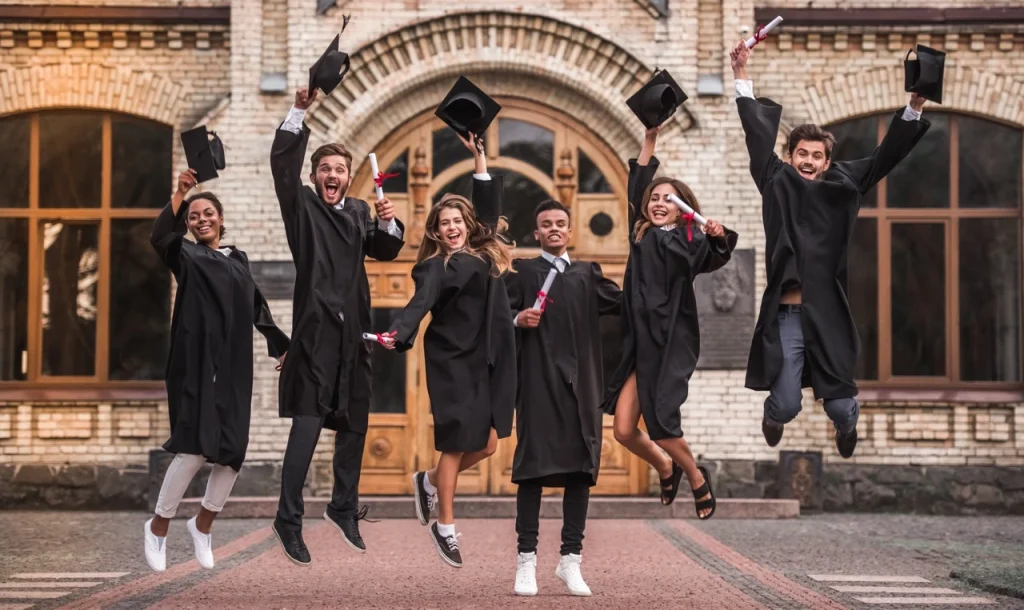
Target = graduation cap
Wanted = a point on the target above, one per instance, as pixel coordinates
(658, 100)
(923, 75)
(328, 71)
(204, 155)
(467, 109)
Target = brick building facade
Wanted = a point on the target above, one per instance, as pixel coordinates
(111, 88)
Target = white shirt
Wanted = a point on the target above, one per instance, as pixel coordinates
(560, 263)
(293, 124)
(745, 88)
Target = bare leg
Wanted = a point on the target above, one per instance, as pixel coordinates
(679, 450)
(204, 520)
(470, 459)
(446, 476)
(630, 436)
(159, 525)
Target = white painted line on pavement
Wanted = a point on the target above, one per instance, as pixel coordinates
(70, 584)
(911, 590)
(864, 578)
(71, 575)
(951, 601)
(33, 594)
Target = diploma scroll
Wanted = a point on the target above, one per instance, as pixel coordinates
(687, 210)
(377, 182)
(373, 337)
(542, 296)
(762, 33)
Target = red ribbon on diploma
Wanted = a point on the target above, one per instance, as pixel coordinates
(760, 34)
(379, 179)
(544, 299)
(689, 226)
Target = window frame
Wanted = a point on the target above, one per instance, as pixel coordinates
(949, 386)
(37, 386)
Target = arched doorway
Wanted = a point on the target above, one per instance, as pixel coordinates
(542, 153)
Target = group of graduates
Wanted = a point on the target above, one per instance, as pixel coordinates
(506, 336)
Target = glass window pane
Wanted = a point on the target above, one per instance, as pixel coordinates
(863, 294)
(70, 159)
(140, 304)
(141, 171)
(905, 187)
(400, 166)
(857, 139)
(447, 150)
(70, 268)
(527, 142)
(521, 198)
(990, 329)
(15, 141)
(591, 178)
(918, 299)
(13, 297)
(388, 368)
(990, 164)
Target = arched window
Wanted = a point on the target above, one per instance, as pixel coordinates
(935, 263)
(83, 297)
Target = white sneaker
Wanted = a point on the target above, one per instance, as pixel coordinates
(203, 544)
(526, 574)
(569, 571)
(156, 548)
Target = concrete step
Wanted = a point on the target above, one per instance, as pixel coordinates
(504, 507)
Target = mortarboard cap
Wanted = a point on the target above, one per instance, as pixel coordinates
(328, 71)
(467, 109)
(657, 101)
(204, 155)
(923, 75)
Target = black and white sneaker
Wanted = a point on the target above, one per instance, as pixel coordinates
(349, 528)
(424, 500)
(447, 547)
(292, 543)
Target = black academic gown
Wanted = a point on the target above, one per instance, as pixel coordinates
(327, 371)
(469, 344)
(209, 368)
(661, 332)
(810, 223)
(561, 381)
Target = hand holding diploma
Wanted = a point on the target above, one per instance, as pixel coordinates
(542, 296)
(761, 33)
(385, 339)
(529, 318)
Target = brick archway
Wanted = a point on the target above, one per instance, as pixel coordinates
(398, 76)
(93, 86)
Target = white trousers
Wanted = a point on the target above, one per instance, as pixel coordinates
(180, 473)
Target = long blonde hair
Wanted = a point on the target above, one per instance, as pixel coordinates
(482, 241)
(643, 222)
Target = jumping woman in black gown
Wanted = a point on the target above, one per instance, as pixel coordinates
(469, 344)
(209, 368)
(661, 334)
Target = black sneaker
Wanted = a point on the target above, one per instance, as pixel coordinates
(424, 501)
(349, 528)
(772, 432)
(292, 543)
(846, 443)
(447, 547)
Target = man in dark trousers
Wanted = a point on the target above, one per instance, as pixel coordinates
(325, 380)
(805, 334)
(558, 420)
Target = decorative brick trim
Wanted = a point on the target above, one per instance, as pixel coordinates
(113, 36)
(873, 91)
(403, 73)
(92, 86)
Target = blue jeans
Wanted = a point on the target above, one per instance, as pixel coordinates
(783, 403)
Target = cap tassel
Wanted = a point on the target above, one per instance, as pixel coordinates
(344, 23)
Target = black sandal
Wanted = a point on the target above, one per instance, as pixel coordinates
(700, 492)
(670, 486)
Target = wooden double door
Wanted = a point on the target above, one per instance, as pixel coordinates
(541, 154)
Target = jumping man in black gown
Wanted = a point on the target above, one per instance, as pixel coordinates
(561, 383)
(209, 367)
(326, 378)
(469, 344)
(661, 332)
(805, 334)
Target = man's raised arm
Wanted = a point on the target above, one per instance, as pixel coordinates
(288, 153)
(760, 119)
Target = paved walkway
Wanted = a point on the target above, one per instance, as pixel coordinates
(76, 560)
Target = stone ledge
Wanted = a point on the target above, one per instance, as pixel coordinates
(401, 507)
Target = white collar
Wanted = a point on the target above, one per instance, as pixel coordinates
(668, 227)
(551, 257)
